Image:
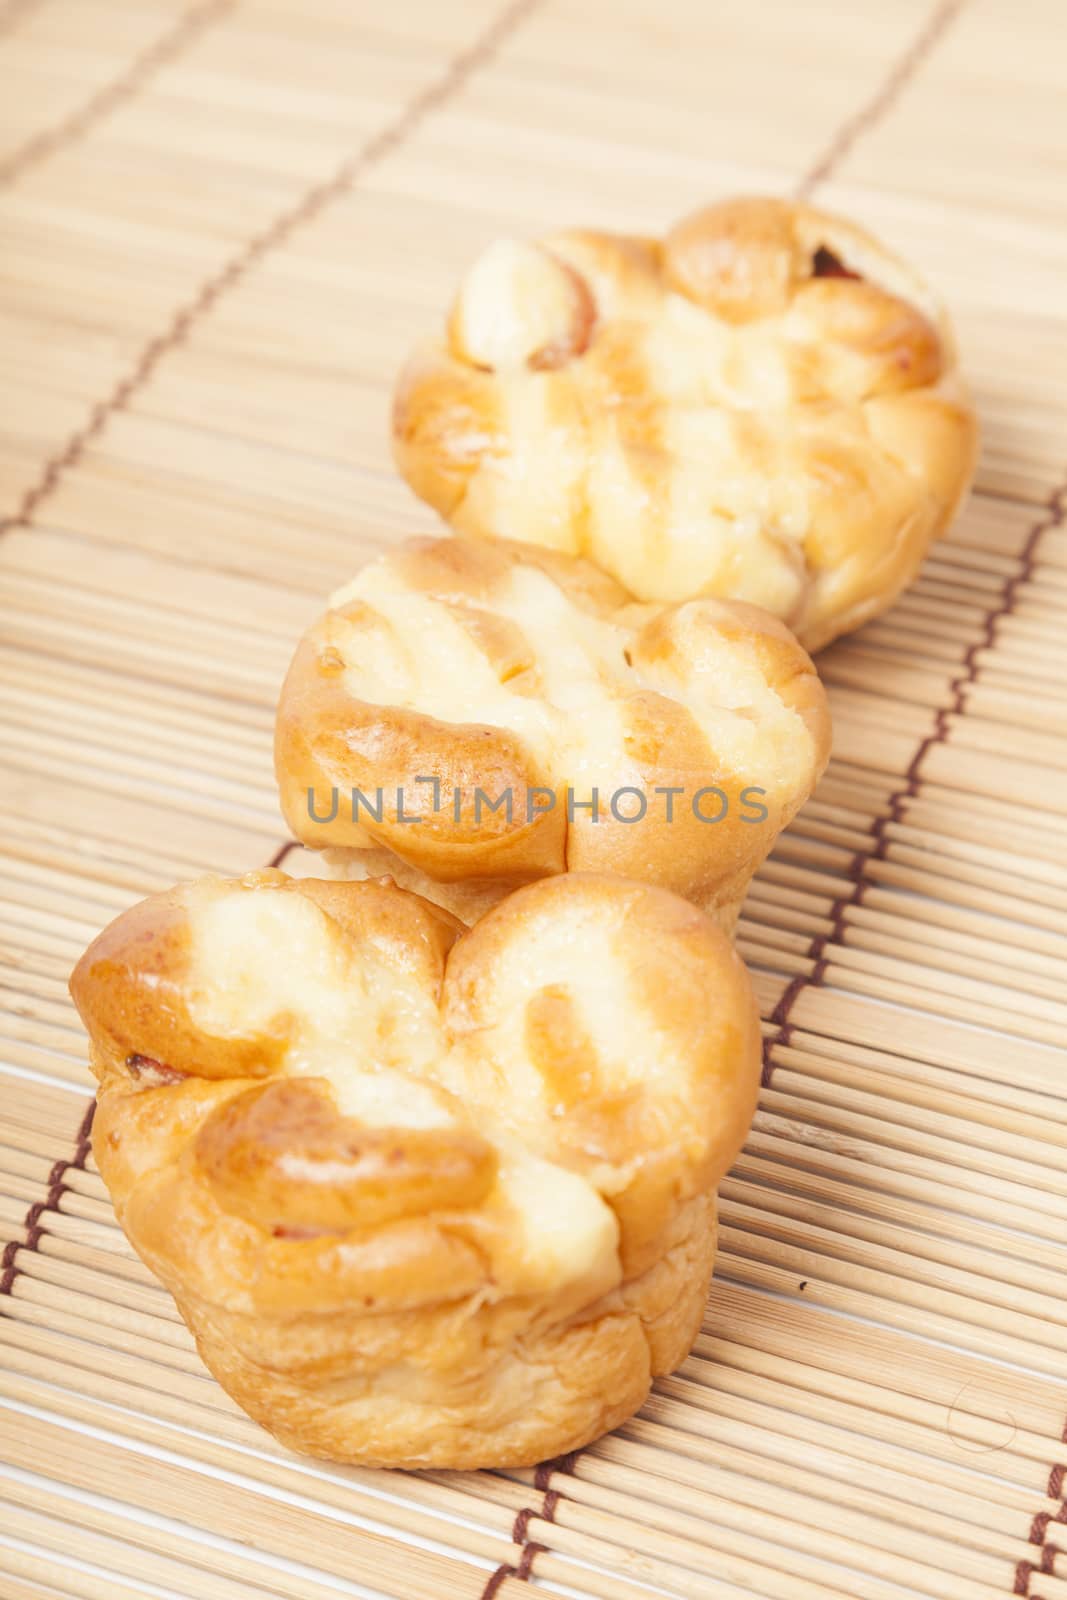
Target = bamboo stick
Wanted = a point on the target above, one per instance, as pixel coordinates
(936, 1142)
(959, 1384)
(78, 1545)
(753, 1175)
(756, 1208)
(791, 1519)
(892, 1301)
(777, 1141)
(681, 1559)
(902, 1084)
(250, 1489)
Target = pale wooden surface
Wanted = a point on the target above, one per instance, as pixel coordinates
(221, 226)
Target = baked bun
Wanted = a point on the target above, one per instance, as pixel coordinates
(454, 676)
(425, 1197)
(765, 407)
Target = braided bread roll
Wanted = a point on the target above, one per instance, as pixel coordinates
(504, 712)
(765, 406)
(425, 1197)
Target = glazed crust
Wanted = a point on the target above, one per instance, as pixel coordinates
(425, 1197)
(764, 406)
(529, 677)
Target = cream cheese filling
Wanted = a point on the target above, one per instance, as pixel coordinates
(263, 963)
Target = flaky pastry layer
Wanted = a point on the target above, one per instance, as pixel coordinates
(471, 716)
(425, 1196)
(765, 406)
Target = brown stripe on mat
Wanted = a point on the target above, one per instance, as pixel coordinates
(33, 1221)
(128, 83)
(964, 680)
(1047, 1551)
(437, 93)
(528, 1548)
(818, 950)
(866, 117)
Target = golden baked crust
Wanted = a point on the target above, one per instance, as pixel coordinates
(765, 407)
(424, 1197)
(526, 680)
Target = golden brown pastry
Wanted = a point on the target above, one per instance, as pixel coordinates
(425, 1197)
(765, 407)
(478, 696)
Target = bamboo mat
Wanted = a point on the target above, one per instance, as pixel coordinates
(222, 223)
